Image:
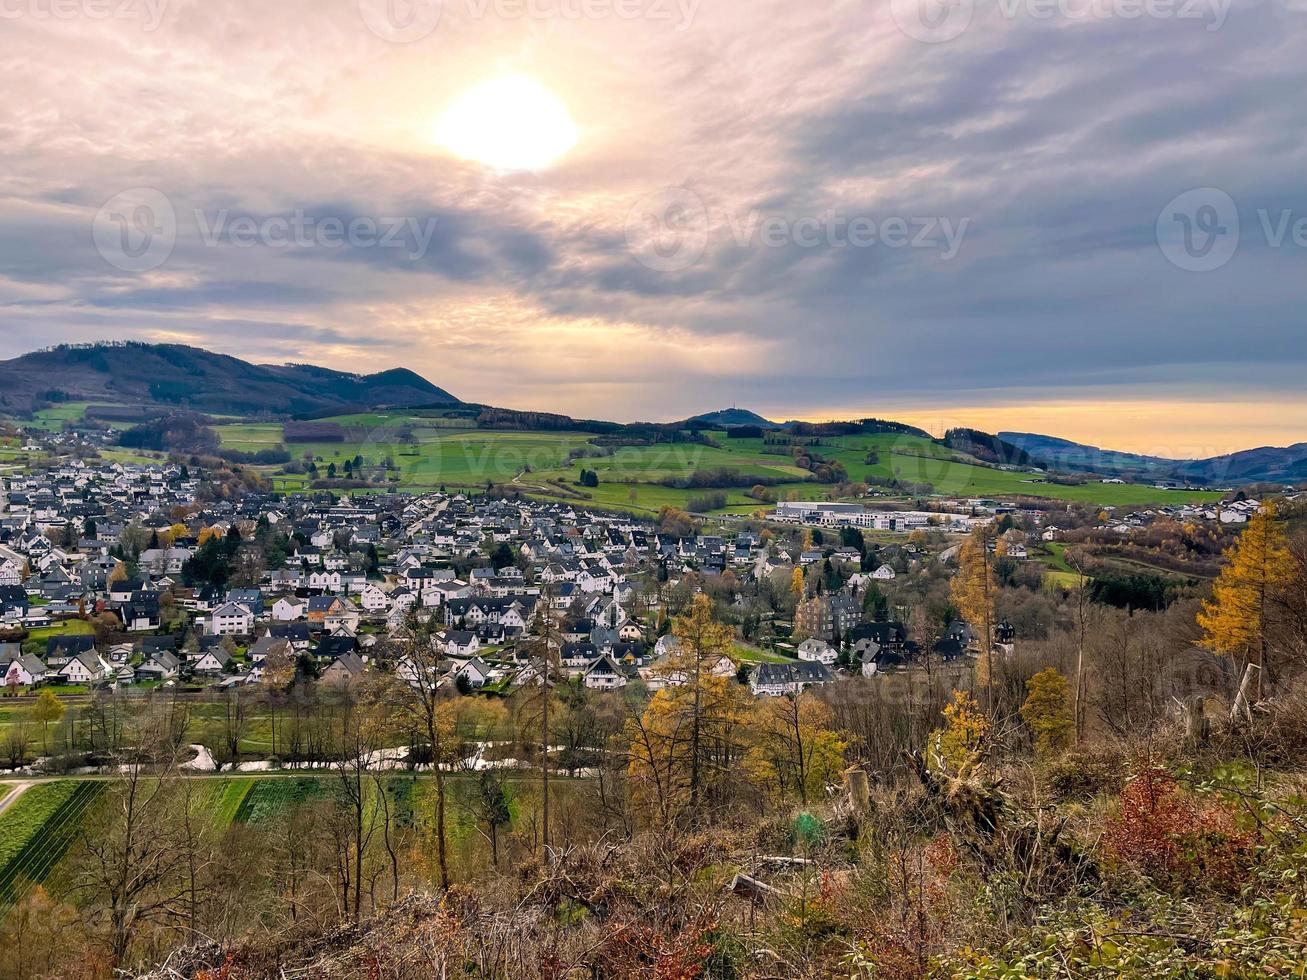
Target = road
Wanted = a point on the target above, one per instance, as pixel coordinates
(11, 797)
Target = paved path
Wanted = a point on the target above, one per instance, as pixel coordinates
(12, 795)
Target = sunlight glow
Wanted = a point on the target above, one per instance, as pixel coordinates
(512, 123)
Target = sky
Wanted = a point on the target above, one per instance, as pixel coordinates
(1080, 217)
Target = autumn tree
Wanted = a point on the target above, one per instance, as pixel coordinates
(47, 710)
(424, 705)
(973, 592)
(1048, 710)
(963, 735)
(690, 734)
(703, 642)
(1258, 571)
(795, 750)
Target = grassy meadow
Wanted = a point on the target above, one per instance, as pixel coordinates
(430, 452)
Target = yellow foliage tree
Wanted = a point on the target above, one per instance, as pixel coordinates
(1258, 570)
(1047, 710)
(685, 745)
(963, 735)
(689, 735)
(972, 591)
(796, 582)
(795, 750)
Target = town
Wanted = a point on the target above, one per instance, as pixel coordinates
(126, 580)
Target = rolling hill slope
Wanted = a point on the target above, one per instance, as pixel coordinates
(176, 376)
(1267, 463)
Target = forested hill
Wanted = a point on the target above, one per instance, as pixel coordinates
(177, 376)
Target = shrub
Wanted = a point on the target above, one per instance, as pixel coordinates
(1180, 843)
(1081, 774)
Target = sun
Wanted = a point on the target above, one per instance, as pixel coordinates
(512, 123)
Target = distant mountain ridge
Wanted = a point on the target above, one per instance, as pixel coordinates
(178, 376)
(1266, 464)
(166, 378)
(734, 416)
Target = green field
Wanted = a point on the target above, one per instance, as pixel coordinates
(40, 829)
(66, 627)
(37, 831)
(428, 452)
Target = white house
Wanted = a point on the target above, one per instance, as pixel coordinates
(85, 668)
(212, 661)
(373, 598)
(11, 572)
(288, 609)
(604, 675)
(817, 650)
(883, 574)
(231, 619)
(25, 671)
(475, 672)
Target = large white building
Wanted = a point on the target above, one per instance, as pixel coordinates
(827, 514)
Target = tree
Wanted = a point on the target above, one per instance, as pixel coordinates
(963, 736)
(685, 744)
(133, 869)
(703, 641)
(427, 711)
(796, 582)
(48, 709)
(973, 591)
(795, 751)
(1258, 570)
(548, 644)
(1048, 711)
(490, 808)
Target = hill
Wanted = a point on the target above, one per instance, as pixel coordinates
(177, 376)
(730, 417)
(988, 448)
(1267, 463)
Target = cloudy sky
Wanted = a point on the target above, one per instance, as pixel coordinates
(1083, 217)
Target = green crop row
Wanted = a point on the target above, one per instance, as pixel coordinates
(44, 847)
(30, 811)
(272, 796)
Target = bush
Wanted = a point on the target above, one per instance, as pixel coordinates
(1180, 842)
(1082, 774)
(704, 502)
